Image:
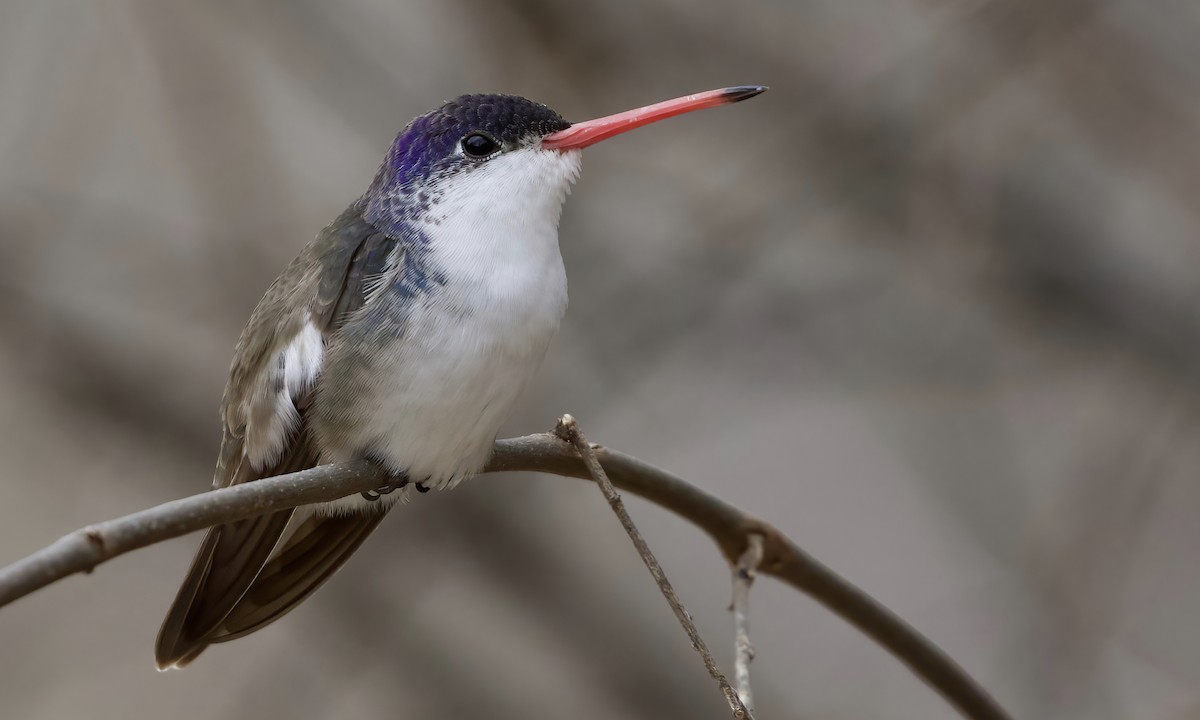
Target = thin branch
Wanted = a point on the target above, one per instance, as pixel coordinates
(743, 577)
(84, 549)
(568, 430)
(728, 526)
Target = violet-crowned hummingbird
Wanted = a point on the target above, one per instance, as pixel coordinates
(404, 333)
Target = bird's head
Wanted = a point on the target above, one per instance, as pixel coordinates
(489, 153)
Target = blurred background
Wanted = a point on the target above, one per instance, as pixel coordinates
(929, 306)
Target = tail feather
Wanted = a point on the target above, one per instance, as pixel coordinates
(229, 560)
(317, 550)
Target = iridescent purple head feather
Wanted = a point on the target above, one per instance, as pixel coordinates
(431, 142)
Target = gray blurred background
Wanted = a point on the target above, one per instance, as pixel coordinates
(929, 305)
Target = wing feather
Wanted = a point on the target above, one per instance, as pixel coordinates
(243, 577)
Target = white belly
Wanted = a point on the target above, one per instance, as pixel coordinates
(432, 402)
(436, 404)
(441, 400)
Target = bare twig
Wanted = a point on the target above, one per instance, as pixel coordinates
(730, 527)
(727, 525)
(568, 430)
(86, 548)
(743, 577)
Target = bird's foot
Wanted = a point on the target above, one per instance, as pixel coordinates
(397, 481)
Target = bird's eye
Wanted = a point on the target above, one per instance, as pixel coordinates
(479, 146)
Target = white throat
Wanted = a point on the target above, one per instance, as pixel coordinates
(498, 222)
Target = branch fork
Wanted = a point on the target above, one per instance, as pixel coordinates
(568, 430)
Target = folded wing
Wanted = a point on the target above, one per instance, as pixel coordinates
(244, 576)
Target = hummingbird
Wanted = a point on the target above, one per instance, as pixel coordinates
(404, 334)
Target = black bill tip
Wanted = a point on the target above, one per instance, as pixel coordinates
(742, 92)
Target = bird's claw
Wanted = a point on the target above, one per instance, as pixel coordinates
(398, 482)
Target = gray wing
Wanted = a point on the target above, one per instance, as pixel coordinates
(240, 580)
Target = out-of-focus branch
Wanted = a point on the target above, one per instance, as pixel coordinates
(728, 526)
(743, 577)
(568, 430)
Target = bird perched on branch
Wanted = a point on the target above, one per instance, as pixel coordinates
(404, 333)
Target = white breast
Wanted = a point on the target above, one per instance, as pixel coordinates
(471, 346)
